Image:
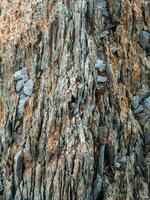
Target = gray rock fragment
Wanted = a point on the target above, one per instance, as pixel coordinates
(122, 159)
(101, 79)
(17, 75)
(144, 39)
(135, 101)
(101, 4)
(21, 105)
(100, 65)
(28, 87)
(139, 109)
(103, 34)
(18, 167)
(20, 85)
(147, 102)
(21, 74)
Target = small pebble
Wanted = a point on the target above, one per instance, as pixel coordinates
(122, 159)
(139, 109)
(135, 101)
(100, 65)
(103, 34)
(19, 85)
(21, 74)
(101, 4)
(17, 75)
(117, 164)
(103, 7)
(28, 87)
(101, 79)
(147, 103)
(144, 39)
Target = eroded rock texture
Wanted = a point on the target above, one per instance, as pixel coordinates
(74, 100)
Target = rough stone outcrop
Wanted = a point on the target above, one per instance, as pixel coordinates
(74, 100)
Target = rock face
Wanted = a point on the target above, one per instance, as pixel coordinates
(70, 130)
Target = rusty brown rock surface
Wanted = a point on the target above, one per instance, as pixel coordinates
(74, 100)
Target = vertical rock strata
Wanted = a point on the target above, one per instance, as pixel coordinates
(76, 124)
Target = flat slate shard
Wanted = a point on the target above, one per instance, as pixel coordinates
(28, 87)
(103, 34)
(122, 159)
(101, 79)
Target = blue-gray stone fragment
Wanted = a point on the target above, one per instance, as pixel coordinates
(19, 85)
(122, 159)
(147, 103)
(21, 74)
(100, 65)
(139, 109)
(17, 75)
(28, 87)
(103, 34)
(101, 4)
(101, 79)
(144, 39)
(135, 101)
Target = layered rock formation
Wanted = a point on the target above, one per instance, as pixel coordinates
(74, 100)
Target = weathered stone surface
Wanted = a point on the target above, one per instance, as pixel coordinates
(72, 127)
